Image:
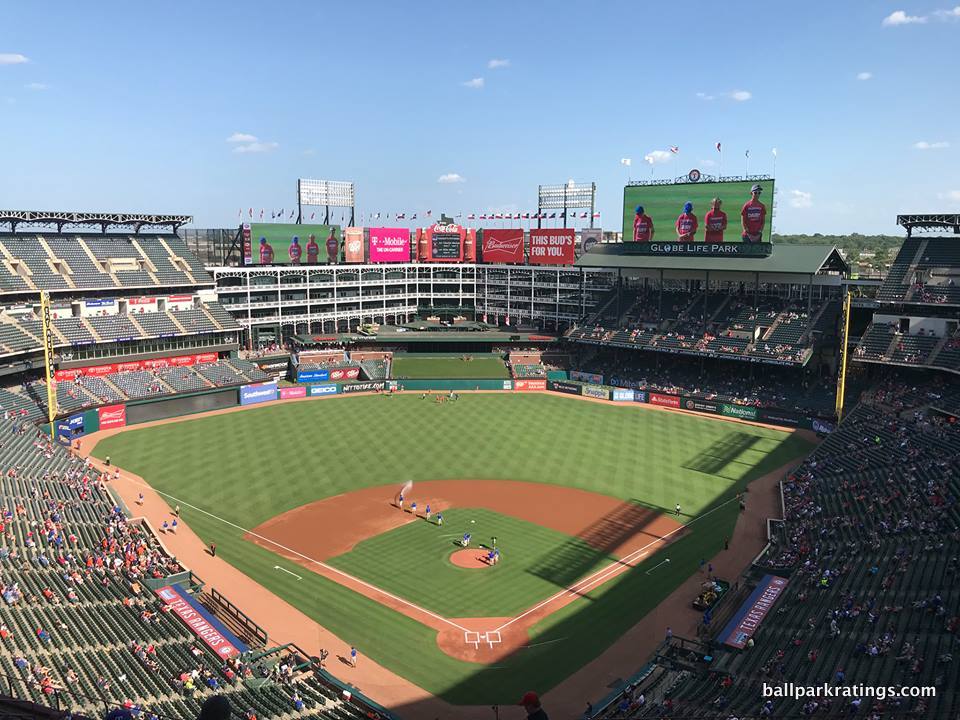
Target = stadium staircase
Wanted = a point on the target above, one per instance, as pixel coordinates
(133, 321)
(88, 326)
(148, 265)
(173, 319)
(184, 267)
(721, 308)
(210, 317)
(98, 264)
(897, 284)
(23, 277)
(54, 259)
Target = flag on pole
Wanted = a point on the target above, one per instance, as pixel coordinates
(471, 216)
(596, 215)
(312, 215)
(261, 213)
(625, 161)
(774, 151)
(583, 216)
(674, 149)
(718, 148)
(429, 213)
(401, 216)
(251, 212)
(240, 213)
(413, 217)
(746, 154)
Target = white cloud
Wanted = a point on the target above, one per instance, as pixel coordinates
(657, 157)
(800, 199)
(899, 17)
(451, 179)
(309, 152)
(256, 147)
(952, 195)
(37, 86)
(864, 75)
(13, 59)
(475, 83)
(951, 14)
(924, 145)
(239, 137)
(741, 95)
(497, 63)
(705, 96)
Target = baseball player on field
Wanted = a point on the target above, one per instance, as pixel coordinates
(427, 512)
(439, 519)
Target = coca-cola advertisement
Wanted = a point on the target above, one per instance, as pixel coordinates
(503, 245)
(112, 416)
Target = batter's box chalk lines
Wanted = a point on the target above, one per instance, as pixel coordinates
(475, 638)
(613, 568)
(318, 563)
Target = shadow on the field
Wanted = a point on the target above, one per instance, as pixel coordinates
(726, 454)
(574, 558)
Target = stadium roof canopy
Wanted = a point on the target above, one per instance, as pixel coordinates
(804, 260)
(103, 220)
(937, 221)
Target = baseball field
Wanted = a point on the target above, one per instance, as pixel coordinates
(578, 497)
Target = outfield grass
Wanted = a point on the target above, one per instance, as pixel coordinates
(252, 465)
(413, 562)
(479, 367)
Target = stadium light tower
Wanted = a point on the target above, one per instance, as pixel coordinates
(325, 194)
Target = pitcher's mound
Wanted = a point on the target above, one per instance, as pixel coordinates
(472, 559)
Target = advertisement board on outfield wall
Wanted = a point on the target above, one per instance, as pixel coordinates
(552, 246)
(389, 245)
(289, 393)
(503, 245)
(640, 396)
(319, 390)
(697, 405)
(596, 391)
(323, 374)
(531, 384)
(592, 378)
(622, 395)
(258, 393)
(672, 401)
(362, 387)
(565, 387)
(744, 412)
(112, 416)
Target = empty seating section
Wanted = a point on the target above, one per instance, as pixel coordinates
(126, 259)
(156, 324)
(113, 327)
(896, 284)
(222, 317)
(78, 616)
(194, 320)
(914, 349)
(74, 330)
(374, 369)
(875, 341)
(167, 273)
(182, 379)
(84, 273)
(13, 339)
(32, 253)
(138, 384)
(179, 248)
(949, 355)
(221, 374)
(101, 389)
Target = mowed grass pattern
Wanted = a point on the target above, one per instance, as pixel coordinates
(478, 367)
(252, 465)
(413, 562)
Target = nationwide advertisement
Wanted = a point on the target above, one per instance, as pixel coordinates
(112, 416)
(622, 395)
(353, 245)
(529, 385)
(502, 245)
(258, 393)
(389, 245)
(744, 412)
(704, 406)
(780, 417)
(592, 378)
(596, 391)
(319, 390)
(362, 387)
(755, 608)
(151, 364)
(293, 244)
(552, 246)
(206, 627)
(289, 393)
(672, 401)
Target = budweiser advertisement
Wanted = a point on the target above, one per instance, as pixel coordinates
(353, 245)
(552, 246)
(112, 416)
(502, 245)
(389, 245)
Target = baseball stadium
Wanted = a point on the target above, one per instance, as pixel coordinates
(635, 478)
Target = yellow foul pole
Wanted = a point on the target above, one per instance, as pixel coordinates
(48, 361)
(842, 380)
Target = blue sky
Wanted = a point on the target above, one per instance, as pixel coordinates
(129, 106)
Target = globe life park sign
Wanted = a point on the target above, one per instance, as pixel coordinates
(701, 249)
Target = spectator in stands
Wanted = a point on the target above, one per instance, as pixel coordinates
(531, 703)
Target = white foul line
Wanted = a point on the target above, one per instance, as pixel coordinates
(329, 568)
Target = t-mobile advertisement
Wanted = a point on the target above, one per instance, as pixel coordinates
(389, 245)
